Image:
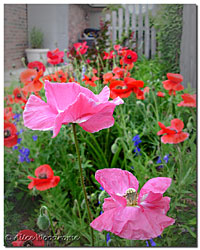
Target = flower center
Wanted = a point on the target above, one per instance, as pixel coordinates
(32, 78)
(36, 68)
(28, 243)
(7, 133)
(42, 176)
(131, 197)
(129, 57)
(19, 95)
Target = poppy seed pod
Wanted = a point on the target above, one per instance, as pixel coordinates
(43, 222)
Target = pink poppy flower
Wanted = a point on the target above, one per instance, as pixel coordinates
(70, 103)
(173, 133)
(129, 214)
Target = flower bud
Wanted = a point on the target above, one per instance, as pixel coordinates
(43, 222)
(114, 148)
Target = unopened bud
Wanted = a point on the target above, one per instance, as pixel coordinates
(43, 222)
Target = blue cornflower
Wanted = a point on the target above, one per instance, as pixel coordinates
(101, 212)
(107, 238)
(35, 137)
(166, 158)
(136, 140)
(19, 140)
(159, 160)
(21, 158)
(159, 236)
(101, 188)
(153, 244)
(17, 117)
(15, 147)
(24, 155)
(20, 132)
(132, 167)
(137, 151)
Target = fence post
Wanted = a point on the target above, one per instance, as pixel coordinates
(188, 56)
(147, 32)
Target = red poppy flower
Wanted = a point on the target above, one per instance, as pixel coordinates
(37, 66)
(173, 133)
(188, 101)
(119, 88)
(130, 57)
(9, 99)
(108, 55)
(81, 48)
(8, 114)
(55, 56)
(160, 94)
(107, 77)
(10, 134)
(60, 76)
(173, 83)
(45, 178)
(19, 96)
(90, 81)
(30, 78)
(28, 238)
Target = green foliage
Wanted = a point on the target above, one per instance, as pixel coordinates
(168, 23)
(36, 38)
(109, 148)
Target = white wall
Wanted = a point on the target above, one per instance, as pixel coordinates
(52, 19)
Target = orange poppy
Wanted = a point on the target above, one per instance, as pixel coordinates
(30, 78)
(107, 77)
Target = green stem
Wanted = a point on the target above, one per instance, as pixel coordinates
(82, 180)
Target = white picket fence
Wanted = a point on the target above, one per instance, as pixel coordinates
(125, 19)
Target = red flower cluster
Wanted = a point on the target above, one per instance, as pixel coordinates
(55, 56)
(45, 178)
(173, 133)
(173, 83)
(81, 48)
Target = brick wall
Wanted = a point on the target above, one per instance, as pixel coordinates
(15, 34)
(78, 21)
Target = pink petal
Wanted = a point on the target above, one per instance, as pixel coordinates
(60, 96)
(38, 115)
(155, 185)
(102, 119)
(109, 203)
(104, 221)
(116, 182)
(104, 94)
